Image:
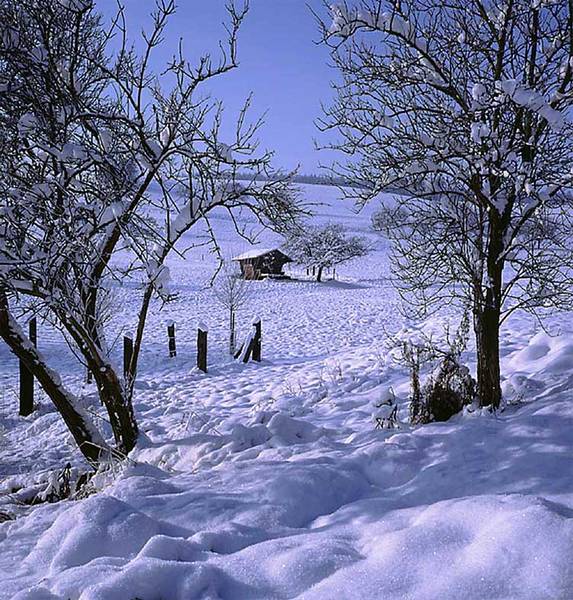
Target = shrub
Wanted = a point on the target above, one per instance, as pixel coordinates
(447, 391)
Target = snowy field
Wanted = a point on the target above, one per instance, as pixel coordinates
(271, 481)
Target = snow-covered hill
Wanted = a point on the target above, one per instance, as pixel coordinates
(271, 481)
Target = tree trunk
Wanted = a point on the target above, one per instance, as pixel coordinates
(115, 397)
(319, 275)
(232, 342)
(114, 393)
(141, 320)
(89, 441)
(487, 311)
(486, 326)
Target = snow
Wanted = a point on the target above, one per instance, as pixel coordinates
(271, 480)
(346, 21)
(533, 100)
(186, 216)
(255, 253)
(478, 91)
(226, 152)
(479, 131)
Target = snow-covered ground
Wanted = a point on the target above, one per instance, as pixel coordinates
(270, 480)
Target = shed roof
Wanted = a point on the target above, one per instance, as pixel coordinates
(257, 253)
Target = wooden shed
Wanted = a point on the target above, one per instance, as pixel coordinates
(263, 263)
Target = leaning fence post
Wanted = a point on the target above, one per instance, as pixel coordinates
(247, 349)
(127, 356)
(171, 336)
(257, 341)
(202, 347)
(27, 378)
(251, 348)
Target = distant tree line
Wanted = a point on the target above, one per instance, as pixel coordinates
(312, 179)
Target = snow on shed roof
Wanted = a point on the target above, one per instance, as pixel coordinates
(256, 253)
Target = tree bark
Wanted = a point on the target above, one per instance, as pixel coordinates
(115, 398)
(486, 326)
(319, 275)
(232, 342)
(487, 312)
(141, 320)
(114, 393)
(88, 439)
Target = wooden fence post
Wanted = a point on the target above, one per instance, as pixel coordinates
(27, 378)
(251, 348)
(171, 335)
(257, 341)
(202, 348)
(127, 356)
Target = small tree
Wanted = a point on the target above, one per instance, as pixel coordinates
(232, 291)
(324, 247)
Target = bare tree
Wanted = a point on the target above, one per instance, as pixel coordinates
(463, 106)
(93, 145)
(232, 291)
(324, 247)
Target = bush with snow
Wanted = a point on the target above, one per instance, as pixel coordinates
(447, 391)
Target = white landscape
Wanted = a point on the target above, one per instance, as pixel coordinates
(286, 300)
(271, 480)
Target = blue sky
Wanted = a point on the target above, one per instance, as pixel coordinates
(280, 63)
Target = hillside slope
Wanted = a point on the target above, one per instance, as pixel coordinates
(271, 480)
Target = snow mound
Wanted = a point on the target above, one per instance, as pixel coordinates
(478, 547)
(36, 594)
(164, 547)
(490, 546)
(98, 526)
(304, 491)
(287, 431)
(152, 578)
(550, 355)
(230, 538)
(243, 437)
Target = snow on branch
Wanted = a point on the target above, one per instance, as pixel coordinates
(534, 101)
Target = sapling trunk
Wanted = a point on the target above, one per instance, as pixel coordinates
(232, 336)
